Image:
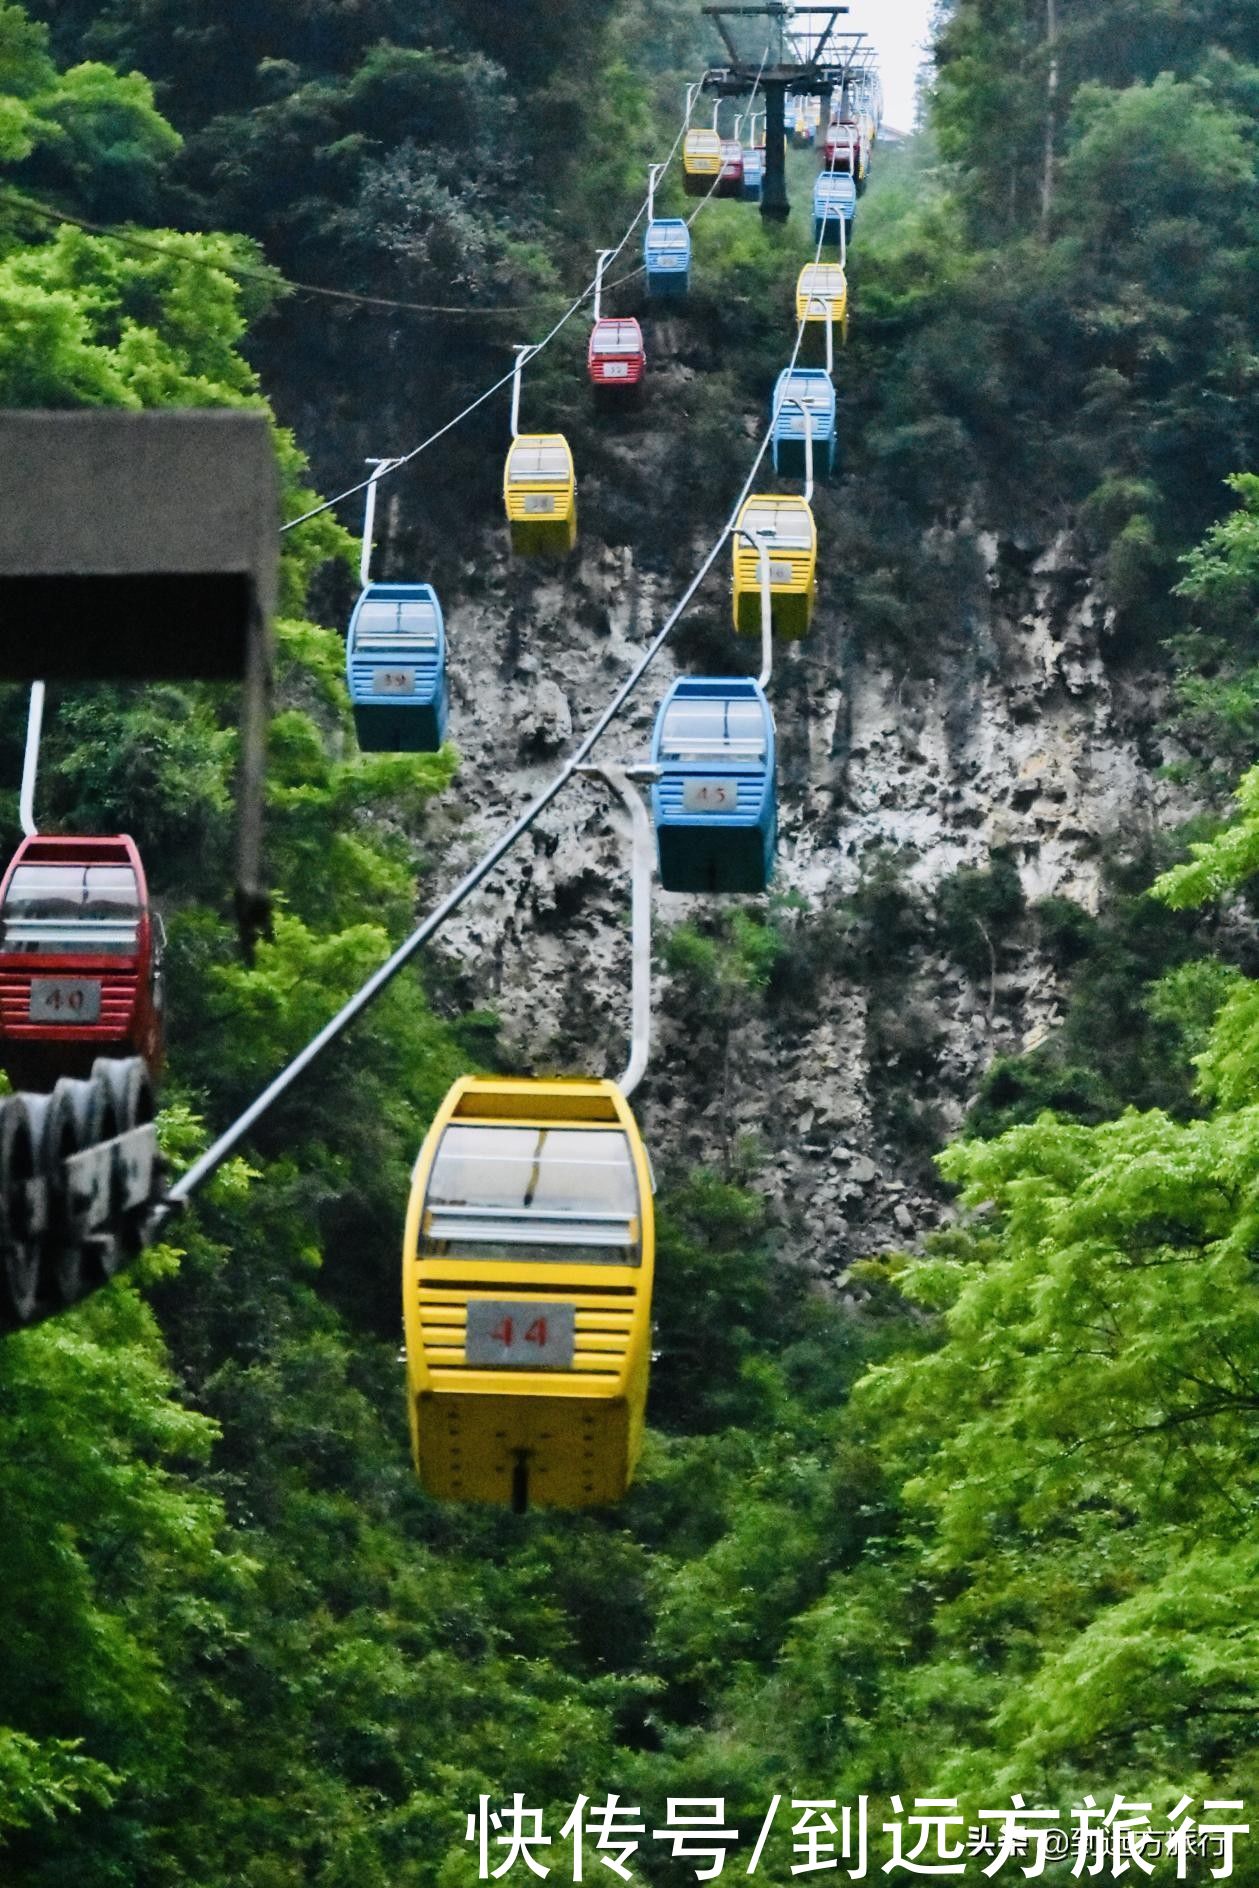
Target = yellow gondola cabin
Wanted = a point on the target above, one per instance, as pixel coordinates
(540, 494)
(701, 162)
(821, 297)
(787, 526)
(527, 1274)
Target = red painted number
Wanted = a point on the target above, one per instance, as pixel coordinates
(504, 1333)
(536, 1334)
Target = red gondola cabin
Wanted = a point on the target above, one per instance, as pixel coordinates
(616, 358)
(80, 959)
(730, 176)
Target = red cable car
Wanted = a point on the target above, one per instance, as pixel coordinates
(616, 357)
(80, 959)
(730, 176)
(842, 151)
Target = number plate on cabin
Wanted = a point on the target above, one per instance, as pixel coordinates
(780, 573)
(616, 370)
(64, 1000)
(393, 682)
(508, 1334)
(709, 796)
(539, 501)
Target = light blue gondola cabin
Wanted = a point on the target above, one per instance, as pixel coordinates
(395, 665)
(715, 802)
(795, 389)
(753, 173)
(667, 255)
(834, 202)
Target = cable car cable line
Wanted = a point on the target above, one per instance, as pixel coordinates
(269, 277)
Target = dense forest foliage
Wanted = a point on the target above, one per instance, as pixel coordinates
(992, 1528)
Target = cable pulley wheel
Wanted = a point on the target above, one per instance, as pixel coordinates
(79, 1114)
(20, 1255)
(129, 1085)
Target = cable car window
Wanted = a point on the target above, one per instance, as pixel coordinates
(670, 238)
(713, 730)
(60, 908)
(807, 392)
(538, 462)
(554, 1195)
(615, 337)
(398, 621)
(827, 279)
(788, 525)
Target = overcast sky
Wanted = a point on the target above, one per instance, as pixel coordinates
(900, 30)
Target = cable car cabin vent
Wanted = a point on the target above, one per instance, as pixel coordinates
(114, 1002)
(601, 1330)
(675, 797)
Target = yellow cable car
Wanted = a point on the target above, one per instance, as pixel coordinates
(540, 494)
(821, 297)
(527, 1272)
(701, 162)
(788, 528)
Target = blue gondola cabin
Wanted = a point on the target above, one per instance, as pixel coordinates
(834, 202)
(714, 800)
(796, 391)
(753, 172)
(667, 256)
(395, 663)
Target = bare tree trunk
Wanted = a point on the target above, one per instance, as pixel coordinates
(1051, 112)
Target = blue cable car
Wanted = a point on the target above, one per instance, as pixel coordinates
(834, 201)
(753, 173)
(795, 388)
(714, 801)
(667, 254)
(395, 666)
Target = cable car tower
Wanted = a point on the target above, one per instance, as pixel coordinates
(778, 48)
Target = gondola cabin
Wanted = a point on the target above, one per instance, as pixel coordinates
(797, 390)
(615, 359)
(80, 960)
(540, 495)
(667, 257)
(701, 162)
(786, 525)
(753, 173)
(822, 300)
(834, 203)
(714, 800)
(395, 666)
(527, 1274)
(730, 176)
(844, 149)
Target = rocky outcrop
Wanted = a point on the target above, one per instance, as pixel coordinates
(1018, 736)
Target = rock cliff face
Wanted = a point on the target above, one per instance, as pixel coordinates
(1021, 739)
